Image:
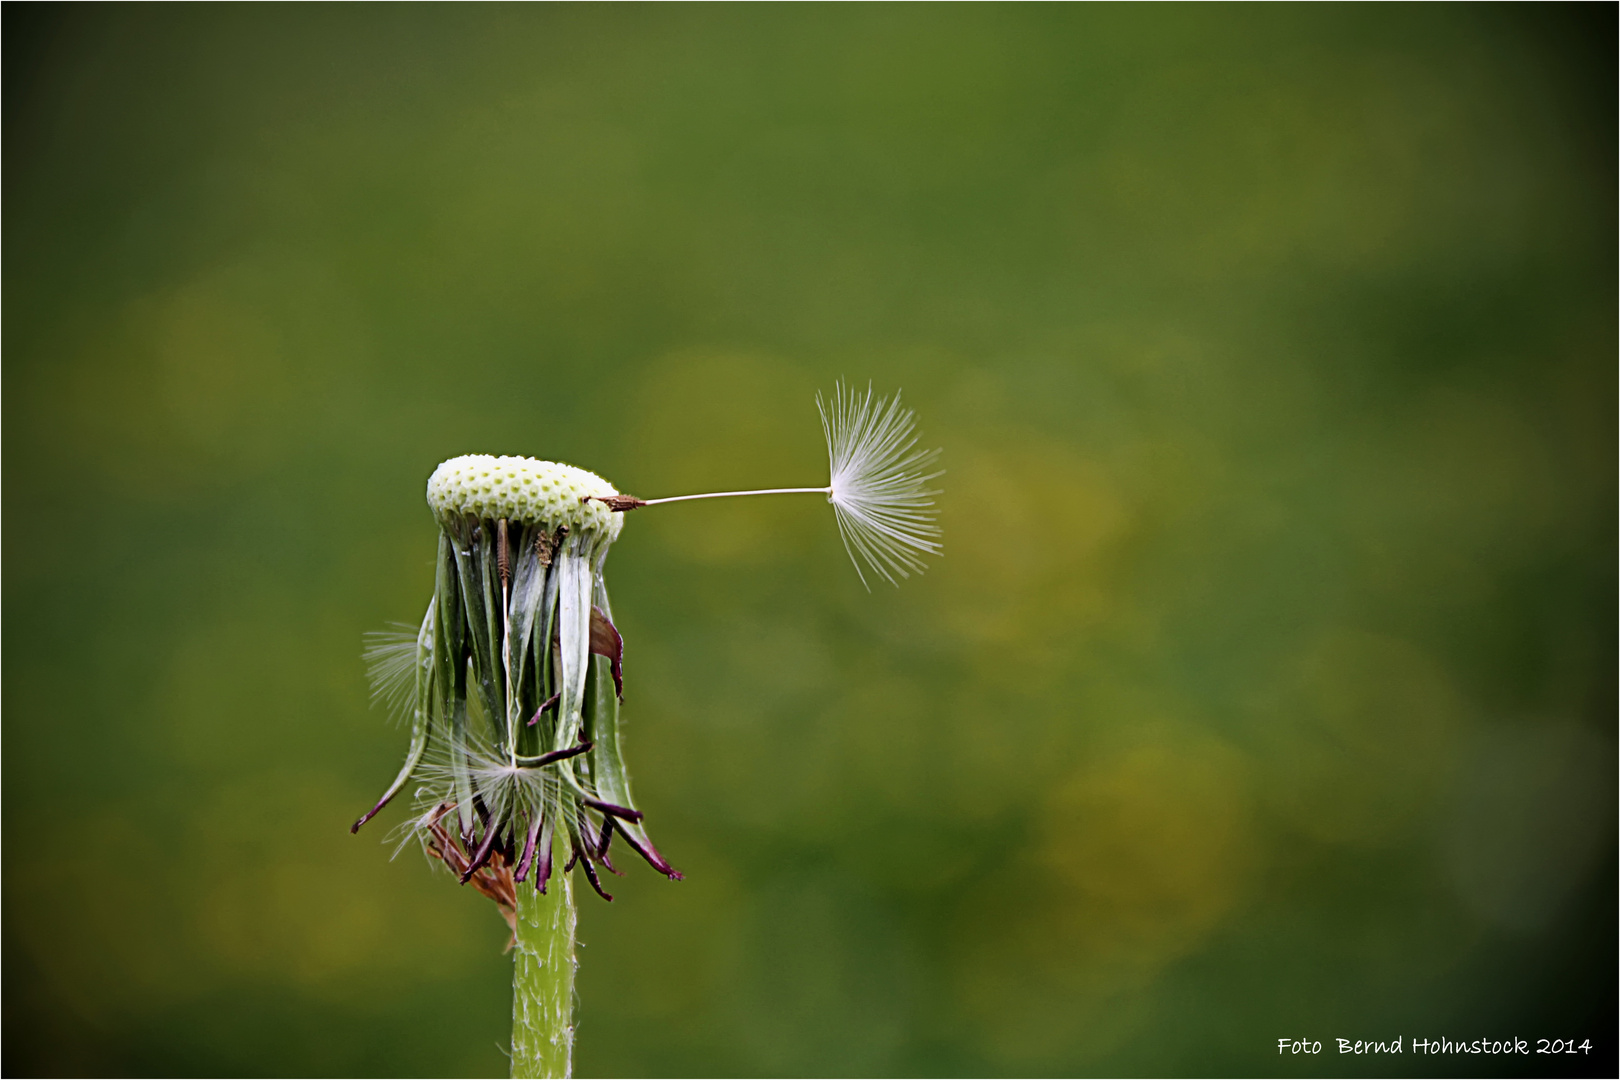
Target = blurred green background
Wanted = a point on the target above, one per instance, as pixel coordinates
(1267, 687)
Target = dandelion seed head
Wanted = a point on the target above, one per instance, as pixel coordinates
(522, 489)
(879, 487)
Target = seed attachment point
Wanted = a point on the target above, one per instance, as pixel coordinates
(617, 503)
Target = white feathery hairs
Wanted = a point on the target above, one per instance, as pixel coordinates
(878, 484)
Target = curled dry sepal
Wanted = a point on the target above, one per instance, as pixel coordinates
(514, 679)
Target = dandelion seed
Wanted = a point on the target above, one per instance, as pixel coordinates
(877, 484)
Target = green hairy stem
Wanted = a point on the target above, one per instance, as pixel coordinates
(543, 981)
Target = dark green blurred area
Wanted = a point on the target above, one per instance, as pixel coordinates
(1267, 687)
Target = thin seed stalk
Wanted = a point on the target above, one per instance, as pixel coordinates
(543, 981)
